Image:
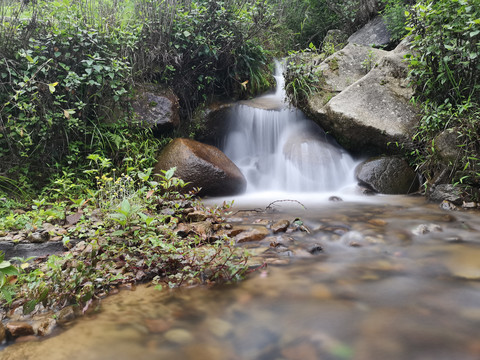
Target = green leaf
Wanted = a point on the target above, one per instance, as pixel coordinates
(186, 33)
(169, 173)
(51, 87)
(5, 264)
(7, 294)
(29, 306)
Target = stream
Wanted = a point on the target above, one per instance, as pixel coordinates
(394, 278)
(360, 278)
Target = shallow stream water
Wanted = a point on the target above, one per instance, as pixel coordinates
(362, 278)
(396, 278)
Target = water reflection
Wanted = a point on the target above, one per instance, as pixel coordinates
(403, 286)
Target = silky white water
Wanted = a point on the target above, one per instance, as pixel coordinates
(278, 149)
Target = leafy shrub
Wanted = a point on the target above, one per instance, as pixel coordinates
(394, 17)
(445, 68)
(446, 37)
(204, 48)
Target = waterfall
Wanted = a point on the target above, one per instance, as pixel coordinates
(278, 148)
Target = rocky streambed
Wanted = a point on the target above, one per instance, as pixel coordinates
(390, 279)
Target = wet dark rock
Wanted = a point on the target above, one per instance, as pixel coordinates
(182, 229)
(212, 122)
(19, 328)
(387, 175)
(446, 192)
(315, 249)
(203, 166)
(25, 250)
(335, 198)
(280, 226)
(156, 108)
(374, 33)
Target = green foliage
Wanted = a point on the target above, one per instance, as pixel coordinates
(53, 82)
(135, 241)
(204, 48)
(446, 37)
(66, 64)
(7, 290)
(308, 21)
(369, 62)
(395, 19)
(301, 78)
(445, 69)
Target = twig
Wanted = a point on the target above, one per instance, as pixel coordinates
(285, 200)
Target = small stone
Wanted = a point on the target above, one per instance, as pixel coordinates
(197, 216)
(74, 218)
(44, 327)
(353, 238)
(334, 198)
(447, 205)
(255, 234)
(423, 229)
(182, 230)
(315, 249)
(264, 222)
(280, 226)
(219, 327)
(202, 229)
(377, 222)
(65, 315)
(179, 336)
(156, 326)
(18, 328)
(469, 205)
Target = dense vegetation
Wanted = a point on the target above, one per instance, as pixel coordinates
(445, 69)
(69, 145)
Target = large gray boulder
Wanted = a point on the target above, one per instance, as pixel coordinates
(387, 175)
(156, 108)
(202, 166)
(347, 66)
(374, 113)
(374, 33)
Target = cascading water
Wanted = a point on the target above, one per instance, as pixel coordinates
(278, 149)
